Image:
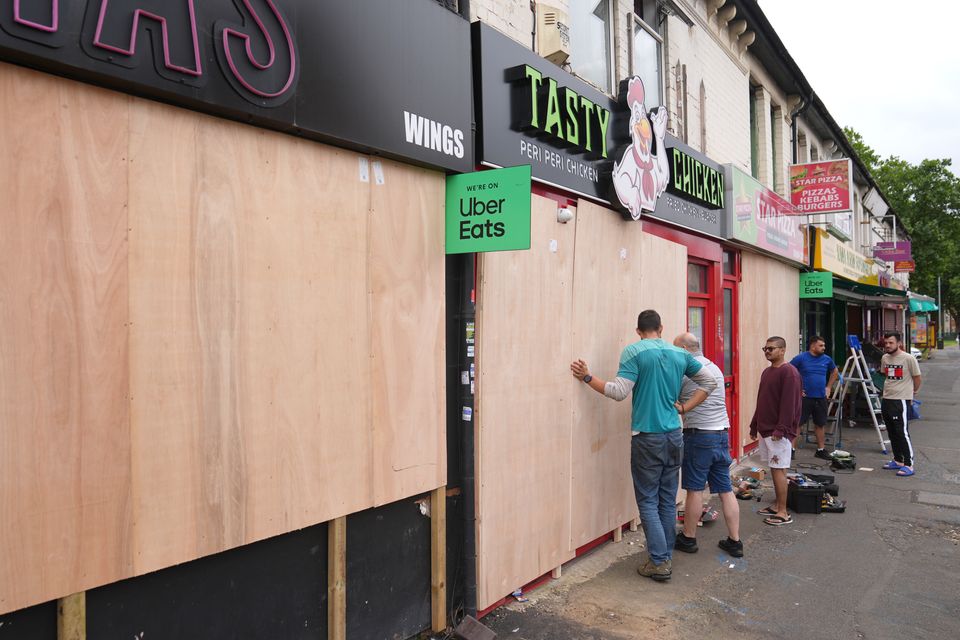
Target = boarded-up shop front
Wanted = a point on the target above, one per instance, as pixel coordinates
(212, 334)
(552, 456)
(772, 236)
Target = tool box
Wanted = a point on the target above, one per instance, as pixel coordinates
(806, 498)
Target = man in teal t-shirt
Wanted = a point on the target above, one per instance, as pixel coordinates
(653, 371)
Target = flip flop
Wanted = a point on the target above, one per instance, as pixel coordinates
(905, 471)
(767, 511)
(893, 464)
(776, 521)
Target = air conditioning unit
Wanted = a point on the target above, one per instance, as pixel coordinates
(553, 34)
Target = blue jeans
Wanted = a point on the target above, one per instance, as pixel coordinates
(655, 466)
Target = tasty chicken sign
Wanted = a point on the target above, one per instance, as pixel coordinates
(821, 187)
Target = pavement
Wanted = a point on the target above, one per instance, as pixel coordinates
(886, 568)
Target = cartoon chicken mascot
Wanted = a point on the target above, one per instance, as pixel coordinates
(644, 170)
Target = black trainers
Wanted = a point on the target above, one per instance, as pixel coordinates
(685, 544)
(822, 454)
(733, 547)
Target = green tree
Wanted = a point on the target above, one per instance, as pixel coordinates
(926, 199)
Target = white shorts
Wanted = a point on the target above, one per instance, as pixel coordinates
(776, 453)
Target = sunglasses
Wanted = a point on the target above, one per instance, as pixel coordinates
(768, 349)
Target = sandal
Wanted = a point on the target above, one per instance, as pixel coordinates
(776, 521)
(893, 464)
(767, 511)
(905, 471)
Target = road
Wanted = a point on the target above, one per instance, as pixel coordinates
(887, 568)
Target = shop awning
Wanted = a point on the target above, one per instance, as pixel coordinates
(922, 304)
(857, 291)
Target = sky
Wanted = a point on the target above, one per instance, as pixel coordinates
(890, 70)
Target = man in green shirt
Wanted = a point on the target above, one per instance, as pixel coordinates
(653, 371)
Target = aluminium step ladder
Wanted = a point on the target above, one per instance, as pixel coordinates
(856, 373)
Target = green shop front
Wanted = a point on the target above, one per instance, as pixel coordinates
(922, 326)
(847, 294)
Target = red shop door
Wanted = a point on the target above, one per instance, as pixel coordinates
(729, 361)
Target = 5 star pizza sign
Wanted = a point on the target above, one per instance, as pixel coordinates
(822, 187)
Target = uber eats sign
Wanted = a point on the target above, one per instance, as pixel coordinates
(816, 284)
(488, 211)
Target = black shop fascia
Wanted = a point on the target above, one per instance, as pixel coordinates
(284, 65)
(529, 111)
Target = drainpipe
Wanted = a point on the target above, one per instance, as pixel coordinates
(804, 105)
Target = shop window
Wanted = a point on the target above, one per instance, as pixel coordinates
(695, 320)
(591, 53)
(814, 154)
(646, 46)
(696, 278)
(730, 264)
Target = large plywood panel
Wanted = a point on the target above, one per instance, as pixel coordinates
(620, 271)
(524, 317)
(209, 335)
(769, 306)
(406, 259)
(663, 283)
(606, 300)
(64, 421)
(250, 341)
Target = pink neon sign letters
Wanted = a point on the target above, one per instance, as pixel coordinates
(120, 22)
(131, 49)
(229, 32)
(54, 20)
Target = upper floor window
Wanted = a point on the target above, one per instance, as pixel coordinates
(591, 52)
(646, 46)
(754, 132)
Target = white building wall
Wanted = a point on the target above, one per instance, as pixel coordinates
(709, 58)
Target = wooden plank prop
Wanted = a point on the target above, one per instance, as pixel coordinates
(209, 334)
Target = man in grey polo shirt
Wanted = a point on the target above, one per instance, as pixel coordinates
(706, 455)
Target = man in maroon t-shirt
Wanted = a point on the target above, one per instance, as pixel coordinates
(776, 421)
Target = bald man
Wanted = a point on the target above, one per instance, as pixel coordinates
(706, 455)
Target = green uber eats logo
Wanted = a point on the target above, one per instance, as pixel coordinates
(488, 211)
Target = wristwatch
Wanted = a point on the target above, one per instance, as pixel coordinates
(587, 378)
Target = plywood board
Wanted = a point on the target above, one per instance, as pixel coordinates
(65, 510)
(407, 306)
(619, 273)
(606, 300)
(663, 283)
(209, 334)
(250, 348)
(524, 316)
(769, 306)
